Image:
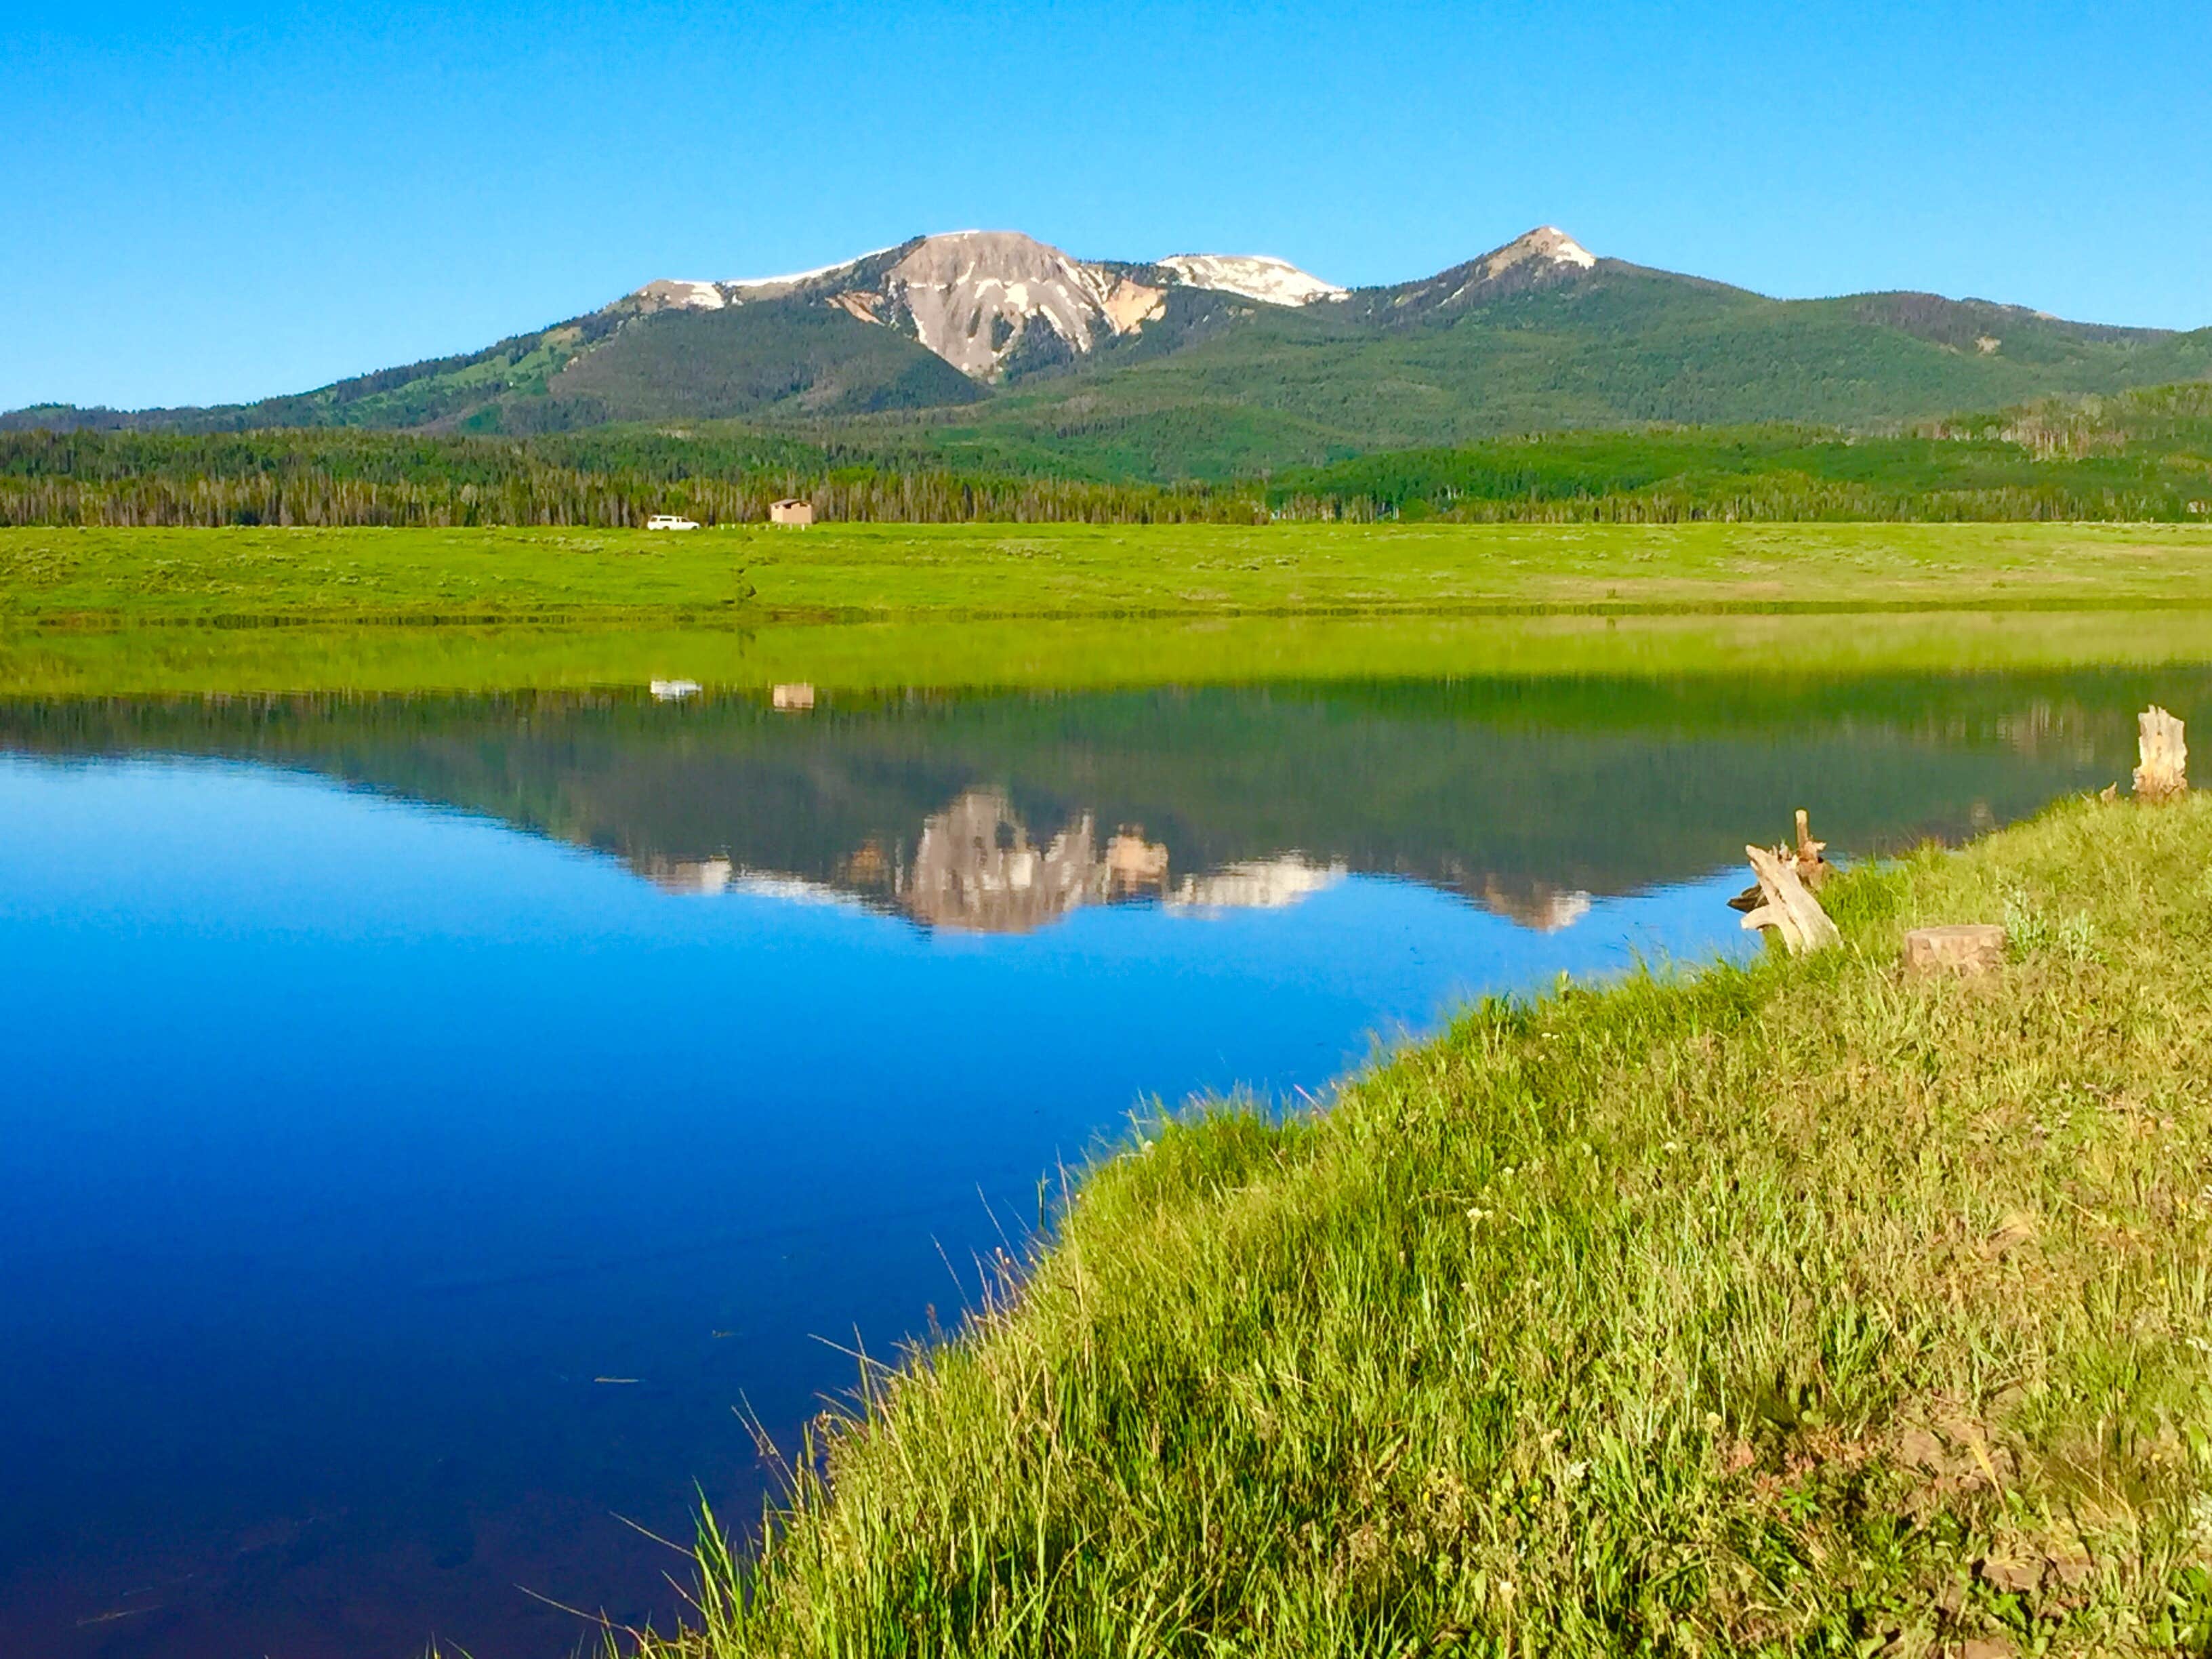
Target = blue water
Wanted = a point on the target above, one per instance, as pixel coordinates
(401, 1196)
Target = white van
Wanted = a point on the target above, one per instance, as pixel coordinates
(670, 521)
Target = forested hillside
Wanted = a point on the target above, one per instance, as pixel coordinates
(2143, 455)
(609, 476)
(1616, 347)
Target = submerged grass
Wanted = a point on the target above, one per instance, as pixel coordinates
(1063, 655)
(1804, 1307)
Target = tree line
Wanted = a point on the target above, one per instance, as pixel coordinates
(326, 478)
(2141, 456)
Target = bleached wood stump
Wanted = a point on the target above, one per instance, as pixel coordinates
(1787, 906)
(2164, 773)
(1958, 947)
(1808, 859)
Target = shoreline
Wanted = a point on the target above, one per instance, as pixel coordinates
(1799, 1304)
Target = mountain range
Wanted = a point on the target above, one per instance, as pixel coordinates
(991, 348)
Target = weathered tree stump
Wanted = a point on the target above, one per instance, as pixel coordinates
(2164, 773)
(1962, 947)
(1787, 906)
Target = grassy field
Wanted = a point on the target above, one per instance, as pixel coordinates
(881, 572)
(1807, 1309)
(1066, 655)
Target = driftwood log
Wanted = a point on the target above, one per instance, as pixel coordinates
(1787, 905)
(1806, 858)
(2164, 773)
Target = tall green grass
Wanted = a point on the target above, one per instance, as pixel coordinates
(1800, 1309)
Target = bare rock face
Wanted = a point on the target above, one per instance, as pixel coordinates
(1969, 947)
(971, 296)
(977, 298)
(977, 868)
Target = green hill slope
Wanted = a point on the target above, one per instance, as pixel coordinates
(1617, 348)
(758, 361)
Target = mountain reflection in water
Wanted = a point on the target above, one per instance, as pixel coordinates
(1003, 813)
(372, 1098)
(975, 867)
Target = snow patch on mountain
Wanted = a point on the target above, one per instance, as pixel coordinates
(1252, 276)
(672, 294)
(793, 279)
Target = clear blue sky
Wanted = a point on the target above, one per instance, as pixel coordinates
(207, 201)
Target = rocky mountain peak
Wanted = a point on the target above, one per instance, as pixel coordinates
(1546, 244)
(978, 297)
(974, 296)
(1536, 259)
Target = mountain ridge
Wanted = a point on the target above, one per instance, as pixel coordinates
(1206, 365)
(973, 297)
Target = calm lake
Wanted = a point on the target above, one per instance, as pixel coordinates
(429, 1123)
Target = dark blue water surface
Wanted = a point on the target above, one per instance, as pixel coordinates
(426, 1122)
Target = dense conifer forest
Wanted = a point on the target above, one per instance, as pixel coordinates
(2142, 455)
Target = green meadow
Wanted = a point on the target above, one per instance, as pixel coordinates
(112, 577)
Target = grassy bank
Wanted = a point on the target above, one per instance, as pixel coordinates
(1805, 1309)
(108, 578)
(1060, 654)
